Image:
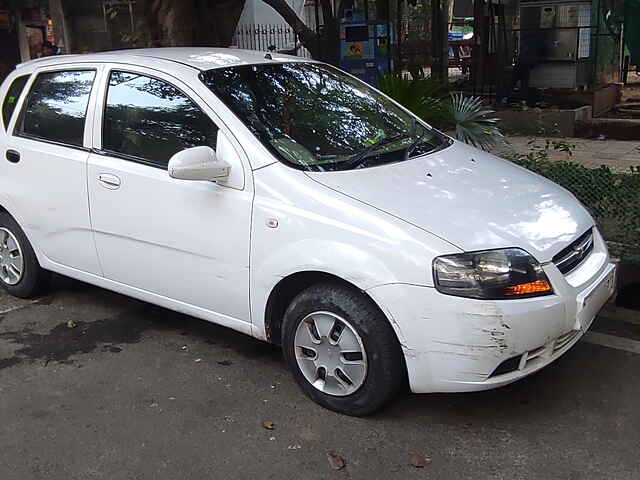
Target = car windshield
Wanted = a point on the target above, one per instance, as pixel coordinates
(315, 117)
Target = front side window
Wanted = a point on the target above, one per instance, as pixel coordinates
(11, 99)
(56, 107)
(151, 120)
(315, 117)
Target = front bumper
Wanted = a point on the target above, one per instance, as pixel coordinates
(454, 344)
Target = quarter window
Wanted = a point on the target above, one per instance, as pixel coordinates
(10, 101)
(151, 120)
(56, 108)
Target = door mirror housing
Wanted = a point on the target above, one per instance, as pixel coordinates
(198, 163)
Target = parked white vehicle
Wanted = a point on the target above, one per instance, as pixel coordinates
(287, 200)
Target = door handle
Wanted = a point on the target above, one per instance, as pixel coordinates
(109, 181)
(13, 156)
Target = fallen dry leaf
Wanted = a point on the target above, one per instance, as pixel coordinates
(336, 462)
(419, 461)
(268, 425)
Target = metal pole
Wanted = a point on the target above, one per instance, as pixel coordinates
(595, 53)
(389, 50)
(621, 54)
(398, 49)
(435, 39)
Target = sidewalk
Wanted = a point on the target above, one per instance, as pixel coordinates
(618, 155)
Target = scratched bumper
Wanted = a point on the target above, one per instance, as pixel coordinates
(453, 344)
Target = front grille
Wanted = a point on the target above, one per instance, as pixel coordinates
(509, 365)
(571, 256)
(564, 340)
(536, 356)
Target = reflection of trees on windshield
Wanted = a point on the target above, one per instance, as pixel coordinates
(57, 105)
(152, 119)
(321, 113)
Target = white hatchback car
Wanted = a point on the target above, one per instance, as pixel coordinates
(290, 201)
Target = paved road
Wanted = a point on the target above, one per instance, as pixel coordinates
(134, 391)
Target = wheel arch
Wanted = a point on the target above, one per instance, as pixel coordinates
(6, 207)
(288, 287)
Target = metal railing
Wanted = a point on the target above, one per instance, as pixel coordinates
(265, 37)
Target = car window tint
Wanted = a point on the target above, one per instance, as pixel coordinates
(57, 106)
(11, 99)
(151, 119)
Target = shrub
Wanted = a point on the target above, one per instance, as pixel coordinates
(430, 100)
(613, 198)
(471, 121)
(422, 96)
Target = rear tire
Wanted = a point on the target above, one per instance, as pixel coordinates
(20, 272)
(341, 349)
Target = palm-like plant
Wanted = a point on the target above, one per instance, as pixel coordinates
(420, 95)
(427, 98)
(471, 121)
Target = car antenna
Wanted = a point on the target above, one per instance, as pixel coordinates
(267, 55)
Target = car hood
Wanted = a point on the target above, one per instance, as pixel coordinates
(470, 198)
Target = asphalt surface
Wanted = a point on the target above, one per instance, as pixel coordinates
(132, 391)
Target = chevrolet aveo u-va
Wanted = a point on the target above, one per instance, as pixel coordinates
(290, 201)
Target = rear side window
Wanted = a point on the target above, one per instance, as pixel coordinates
(150, 119)
(10, 101)
(57, 107)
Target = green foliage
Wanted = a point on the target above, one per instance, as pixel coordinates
(432, 102)
(422, 96)
(613, 198)
(471, 121)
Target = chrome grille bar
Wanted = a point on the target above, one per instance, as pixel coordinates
(571, 256)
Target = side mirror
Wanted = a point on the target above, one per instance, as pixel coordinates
(198, 163)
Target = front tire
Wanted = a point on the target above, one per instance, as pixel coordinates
(341, 349)
(20, 272)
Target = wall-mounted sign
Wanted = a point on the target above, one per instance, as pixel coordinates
(354, 50)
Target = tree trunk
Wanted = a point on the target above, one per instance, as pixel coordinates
(439, 40)
(193, 22)
(308, 37)
(218, 20)
(329, 33)
(445, 41)
(171, 22)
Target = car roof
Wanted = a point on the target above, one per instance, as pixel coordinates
(201, 58)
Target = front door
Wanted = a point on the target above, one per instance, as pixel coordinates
(187, 241)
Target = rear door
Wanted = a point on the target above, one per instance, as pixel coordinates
(46, 154)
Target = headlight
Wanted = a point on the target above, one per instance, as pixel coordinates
(491, 275)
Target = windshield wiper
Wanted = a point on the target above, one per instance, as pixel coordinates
(358, 158)
(415, 143)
